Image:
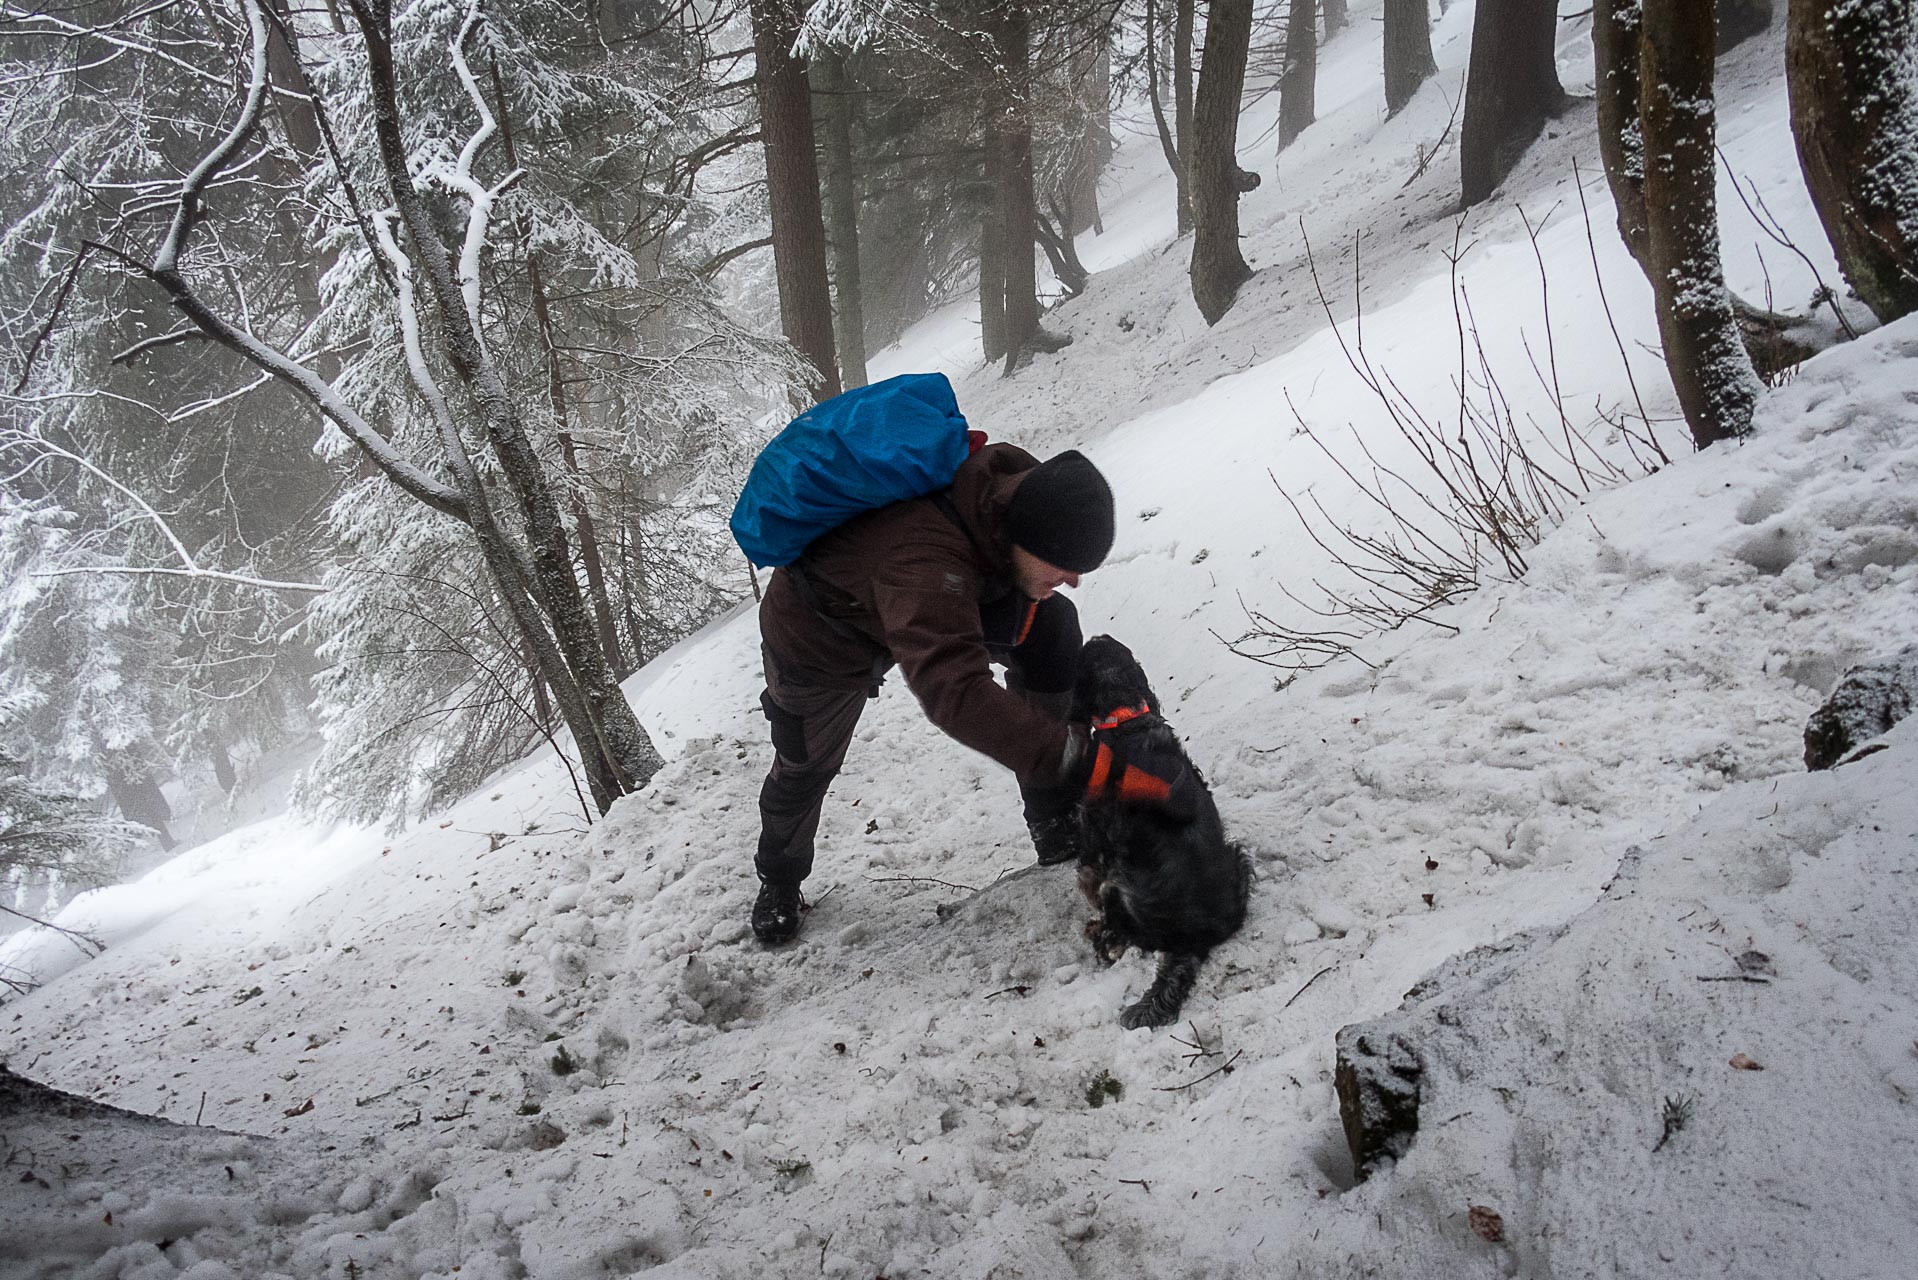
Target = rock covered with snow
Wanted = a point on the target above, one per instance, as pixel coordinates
(1871, 698)
(1377, 1078)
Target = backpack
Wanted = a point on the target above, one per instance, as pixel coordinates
(887, 442)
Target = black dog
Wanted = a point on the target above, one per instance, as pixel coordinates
(1162, 877)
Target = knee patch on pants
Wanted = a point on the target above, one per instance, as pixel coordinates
(788, 731)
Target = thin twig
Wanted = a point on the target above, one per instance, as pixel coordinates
(1774, 229)
(1308, 982)
(1225, 1067)
(53, 316)
(919, 880)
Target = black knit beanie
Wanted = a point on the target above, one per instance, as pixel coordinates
(1062, 513)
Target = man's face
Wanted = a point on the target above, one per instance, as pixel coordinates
(1038, 579)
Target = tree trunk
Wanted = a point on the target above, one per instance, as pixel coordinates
(1012, 129)
(1740, 20)
(842, 186)
(141, 801)
(583, 522)
(1168, 141)
(634, 584)
(291, 104)
(1408, 51)
(301, 126)
(1218, 268)
(1511, 90)
(581, 507)
(792, 188)
(992, 253)
(1087, 156)
(1182, 104)
(612, 744)
(1854, 104)
(1102, 144)
(1298, 74)
(1709, 366)
(1335, 17)
(1615, 37)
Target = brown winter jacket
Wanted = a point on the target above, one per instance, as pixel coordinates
(905, 582)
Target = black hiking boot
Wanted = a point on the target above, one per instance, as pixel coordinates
(1056, 840)
(776, 912)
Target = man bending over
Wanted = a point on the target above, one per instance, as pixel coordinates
(941, 586)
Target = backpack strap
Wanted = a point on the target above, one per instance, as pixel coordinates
(942, 499)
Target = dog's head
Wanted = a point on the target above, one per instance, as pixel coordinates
(1109, 678)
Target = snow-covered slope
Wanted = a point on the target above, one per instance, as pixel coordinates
(506, 1044)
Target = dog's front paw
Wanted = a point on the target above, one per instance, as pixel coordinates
(1106, 943)
(1148, 1013)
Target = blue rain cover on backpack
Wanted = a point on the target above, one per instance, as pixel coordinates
(893, 440)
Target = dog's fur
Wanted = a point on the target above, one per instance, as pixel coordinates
(1155, 881)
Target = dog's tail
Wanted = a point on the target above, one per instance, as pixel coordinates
(1160, 1005)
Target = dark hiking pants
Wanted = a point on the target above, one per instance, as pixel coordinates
(812, 726)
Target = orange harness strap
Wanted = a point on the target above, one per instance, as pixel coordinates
(1133, 783)
(1119, 715)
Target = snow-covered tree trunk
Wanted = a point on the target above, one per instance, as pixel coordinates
(1852, 70)
(1615, 32)
(1408, 51)
(619, 755)
(1710, 369)
(584, 526)
(1298, 75)
(1336, 17)
(792, 188)
(842, 209)
(1218, 268)
(1511, 90)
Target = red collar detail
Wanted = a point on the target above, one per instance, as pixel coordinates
(1119, 715)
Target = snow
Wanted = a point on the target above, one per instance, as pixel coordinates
(537, 1049)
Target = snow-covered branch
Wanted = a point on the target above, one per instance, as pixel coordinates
(165, 271)
(479, 197)
(39, 449)
(166, 261)
(211, 575)
(53, 24)
(421, 372)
